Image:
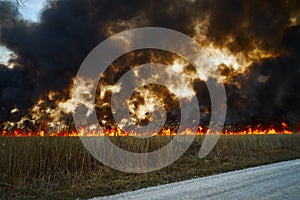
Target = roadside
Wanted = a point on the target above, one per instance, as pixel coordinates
(274, 181)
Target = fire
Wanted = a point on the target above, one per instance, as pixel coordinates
(251, 131)
(282, 128)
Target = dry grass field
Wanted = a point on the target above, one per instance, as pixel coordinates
(60, 167)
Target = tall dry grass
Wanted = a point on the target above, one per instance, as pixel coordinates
(60, 167)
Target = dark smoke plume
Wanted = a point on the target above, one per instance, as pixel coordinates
(50, 52)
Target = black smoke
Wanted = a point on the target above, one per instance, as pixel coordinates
(270, 91)
(50, 52)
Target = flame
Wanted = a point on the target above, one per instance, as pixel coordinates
(282, 128)
(217, 58)
(215, 61)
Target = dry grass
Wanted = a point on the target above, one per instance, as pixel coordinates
(60, 167)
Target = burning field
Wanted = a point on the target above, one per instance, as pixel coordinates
(255, 55)
(252, 48)
(269, 130)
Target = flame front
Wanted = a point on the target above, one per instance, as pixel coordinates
(282, 128)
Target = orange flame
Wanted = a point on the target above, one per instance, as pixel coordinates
(283, 128)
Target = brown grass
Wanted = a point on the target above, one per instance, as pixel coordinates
(60, 167)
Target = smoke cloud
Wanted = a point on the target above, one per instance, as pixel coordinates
(49, 53)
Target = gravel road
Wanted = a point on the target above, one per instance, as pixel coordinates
(274, 181)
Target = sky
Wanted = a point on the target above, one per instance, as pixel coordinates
(30, 10)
